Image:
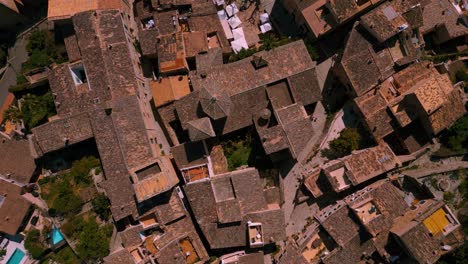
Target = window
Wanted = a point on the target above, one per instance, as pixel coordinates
(78, 74)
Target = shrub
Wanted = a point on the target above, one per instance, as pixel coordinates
(458, 256)
(65, 255)
(52, 212)
(33, 244)
(44, 180)
(448, 197)
(2, 252)
(12, 113)
(20, 79)
(18, 88)
(312, 50)
(3, 56)
(243, 53)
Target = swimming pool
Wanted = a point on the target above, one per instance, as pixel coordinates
(56, 236)
(17, 256)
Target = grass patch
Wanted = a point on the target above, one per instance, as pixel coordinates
(64, 255)
(237, 151)
(245, 149)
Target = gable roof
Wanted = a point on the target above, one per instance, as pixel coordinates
(384, 22)
(13, 207)
(442, 15)
(364, 63)
(16, 159)
(224, 204)
(337, 221)
(241, 76)
(118, 257)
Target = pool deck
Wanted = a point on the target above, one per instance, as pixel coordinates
(11, 249)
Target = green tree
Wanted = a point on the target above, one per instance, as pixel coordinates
(73, 226)
(67, 201)
(40, 40)
(80, 170)
(268, 41)
(348, 141)
(94, 241)
(456, 137)
(458, 256)
(101, 206)
(42, 49)
(33, 244)
(36, 109)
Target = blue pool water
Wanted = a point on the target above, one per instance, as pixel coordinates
(56, 236)
(16, 258)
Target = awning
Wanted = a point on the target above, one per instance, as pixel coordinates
(234, 21)
(238, 33)
(232, 9)
(265, 28)
(239, 44)
(219, 2)
(264, 18)
(222, 15)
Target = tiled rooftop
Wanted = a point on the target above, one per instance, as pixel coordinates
(59, 9)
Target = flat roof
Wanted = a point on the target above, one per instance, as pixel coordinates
(169, 89)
